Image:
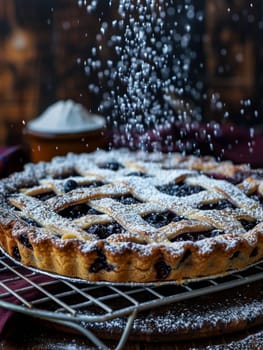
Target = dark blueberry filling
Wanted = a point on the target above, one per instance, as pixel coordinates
(16, 253)
(137, 173)
(31, 222)
(127, 200)
(198, 236)
(162, 270)
(239, 176)
(248, 225)
(23, 239)
(45, 196)
(224, 204)
(180, 189)
(254, 252)
(111, 165)
(65, 175)
(104, 231)
(77, 211)
(185, 237)
(161, 219)
(235, 255)
(100, 263)
(242, 175)
(70, 185)
(257, 197)
(186, 255)
(92, 211)
(215, 232)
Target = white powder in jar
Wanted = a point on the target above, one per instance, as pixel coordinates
(66, 117)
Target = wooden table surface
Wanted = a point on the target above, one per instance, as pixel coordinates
(239, 332)
(24, 333)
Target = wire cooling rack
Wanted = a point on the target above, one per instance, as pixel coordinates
(74, 304)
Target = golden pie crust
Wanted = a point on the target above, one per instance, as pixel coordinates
(213, 216)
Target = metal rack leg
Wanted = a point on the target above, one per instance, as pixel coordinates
(88, 334)
(95, 340)
(126, 331)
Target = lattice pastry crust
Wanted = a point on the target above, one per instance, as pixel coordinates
(124, 216)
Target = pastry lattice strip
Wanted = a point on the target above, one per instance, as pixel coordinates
(47, 218)
(145, 190)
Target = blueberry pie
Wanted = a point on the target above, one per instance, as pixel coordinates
(123, 216)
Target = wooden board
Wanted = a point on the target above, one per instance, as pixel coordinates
(233, 318)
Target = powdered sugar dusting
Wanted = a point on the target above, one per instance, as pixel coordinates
(220, 313)
(42, 214)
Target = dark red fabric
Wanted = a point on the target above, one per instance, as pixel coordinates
(16, 285)
(12, 158)
(227, 141)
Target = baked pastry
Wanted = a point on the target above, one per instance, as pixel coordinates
(123, 216)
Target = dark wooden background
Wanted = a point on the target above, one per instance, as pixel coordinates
(43, 46)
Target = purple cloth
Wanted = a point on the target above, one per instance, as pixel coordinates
(225, 142)
(15, 285)
(12, 158)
